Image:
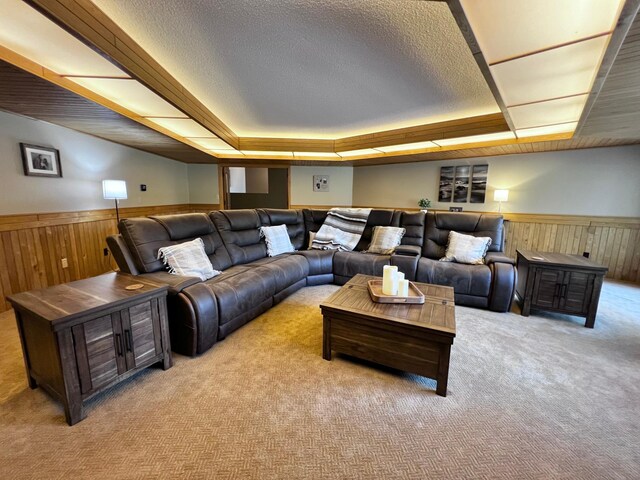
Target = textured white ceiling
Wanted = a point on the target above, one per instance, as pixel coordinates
(312, 68)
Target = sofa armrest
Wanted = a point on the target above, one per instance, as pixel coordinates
(498, 257)
(121, 254)
(176, 283)
(408, 250)
(503, 285)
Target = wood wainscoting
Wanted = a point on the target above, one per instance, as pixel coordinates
(32, 246)
(610, 241)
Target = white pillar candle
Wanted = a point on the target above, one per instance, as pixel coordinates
(389, 284)
(403, 288)
(399, 278)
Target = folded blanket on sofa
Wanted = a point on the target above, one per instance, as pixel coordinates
(341, 229)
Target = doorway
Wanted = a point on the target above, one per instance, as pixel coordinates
(255, 187)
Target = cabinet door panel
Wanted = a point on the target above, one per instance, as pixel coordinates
(99, 353)
(546, 288)
(577, 292)
(142, 334)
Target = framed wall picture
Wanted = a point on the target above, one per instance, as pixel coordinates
(461, 184)
(446, 184)
(321, 183)
(478, 183)
(40, 161)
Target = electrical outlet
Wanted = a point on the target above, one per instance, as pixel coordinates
(65, 263)
(585, 254)
(106, 252)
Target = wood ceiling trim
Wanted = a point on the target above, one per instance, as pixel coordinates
(25, 93)
(62, 81)
(89, 24)
(479, 125)
(467, 32)
(625, 21)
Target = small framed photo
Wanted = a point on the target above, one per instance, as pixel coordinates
(321, 183)
(40, 161)
(455, 209)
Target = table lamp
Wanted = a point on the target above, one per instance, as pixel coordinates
(114, 190)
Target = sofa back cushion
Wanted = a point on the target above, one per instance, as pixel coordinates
(291, 218)
(240, 232)
(438, 225)
(413, 223)
(144, 236)
(313, 220)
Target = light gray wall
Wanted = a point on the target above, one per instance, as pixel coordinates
(340, 186)
(203, 183)
(599, 181)
(86, 161)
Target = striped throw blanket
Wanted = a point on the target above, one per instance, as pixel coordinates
(341, 229)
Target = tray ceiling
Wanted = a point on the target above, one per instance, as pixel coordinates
(314, 68)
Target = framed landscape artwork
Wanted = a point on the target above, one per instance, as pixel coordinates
(40, 161)
(446, 184)
(461, 184)
(479, 183)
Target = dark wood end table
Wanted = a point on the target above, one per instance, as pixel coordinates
(412, 338)
(82, 337)
(559, 283)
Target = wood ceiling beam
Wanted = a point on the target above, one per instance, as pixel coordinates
(92, 26)
(467, 32)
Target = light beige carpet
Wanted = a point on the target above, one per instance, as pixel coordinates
(539, 397)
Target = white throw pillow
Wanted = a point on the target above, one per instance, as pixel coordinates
(466, 249)
(277, 240)
(312, 235)
(188, 259)
(384, 240)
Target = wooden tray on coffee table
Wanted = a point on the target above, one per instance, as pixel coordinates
(375, 292)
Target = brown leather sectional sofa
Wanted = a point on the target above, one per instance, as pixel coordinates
(201, 313)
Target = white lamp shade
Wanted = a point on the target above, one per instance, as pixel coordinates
(501, 195)
(114, 189)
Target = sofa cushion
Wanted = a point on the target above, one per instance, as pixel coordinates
(238, 293)
(320, 261)
(465, 279)
(144, 236)
(438, 225)
(286, 270)
(377, 218)
(413, 223)
(349, 264)
(240, 232)
(291, 218)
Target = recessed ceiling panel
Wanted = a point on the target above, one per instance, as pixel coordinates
(489, 137)
(211, 143)
(32, 35)
(560, 72)
(184, 127)
(132, 95)
(407, 146)
(510, 28)
(312, 69)
(563, 110)
(548, 130)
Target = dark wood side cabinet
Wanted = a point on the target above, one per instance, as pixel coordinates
(82, 337)
(560, 283)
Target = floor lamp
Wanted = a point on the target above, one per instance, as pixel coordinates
(114, 190)
(500, 196)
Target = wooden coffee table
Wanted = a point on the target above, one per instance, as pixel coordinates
(412, 338)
